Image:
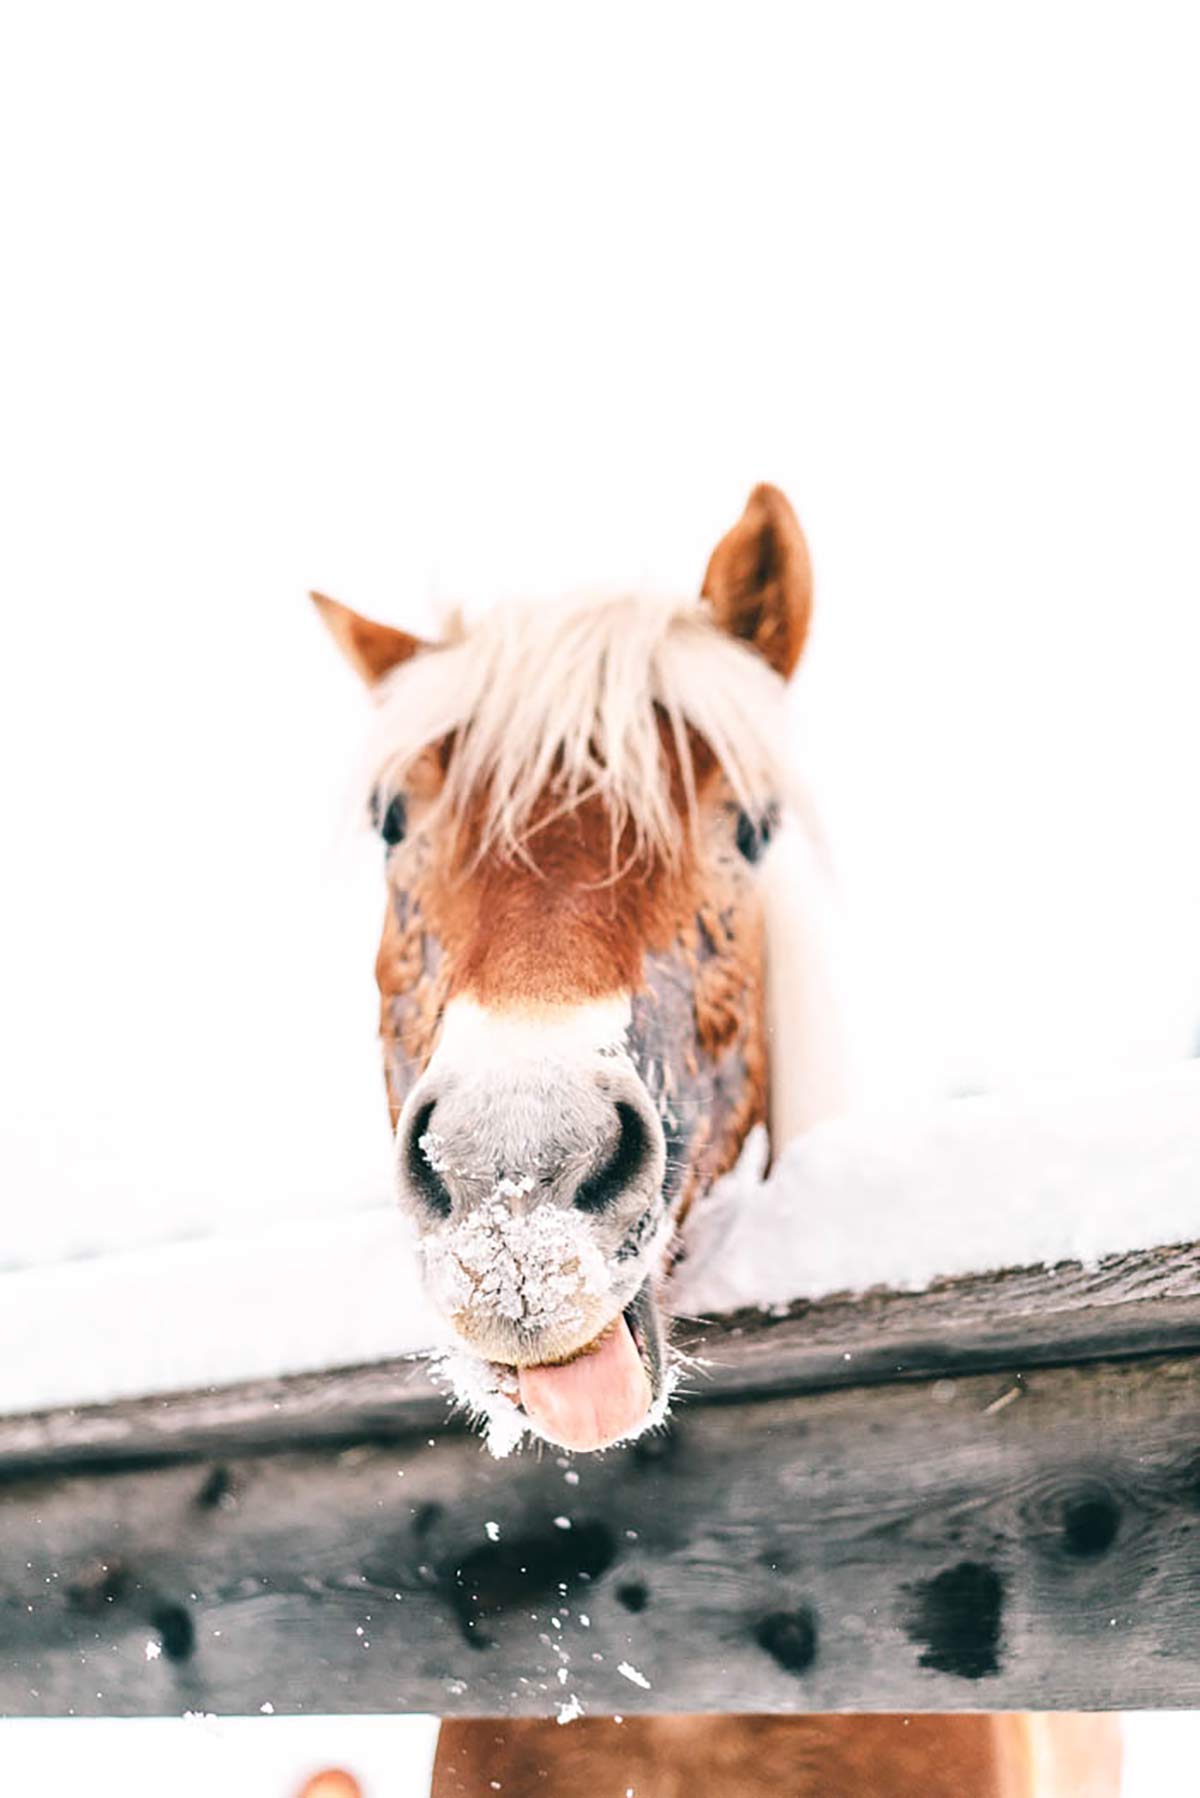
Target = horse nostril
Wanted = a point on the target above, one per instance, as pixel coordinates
(602, 1189)
(423, 1163)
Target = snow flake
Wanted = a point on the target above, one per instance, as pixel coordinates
(634, 1677)
(432, 1147)
(481, 1390)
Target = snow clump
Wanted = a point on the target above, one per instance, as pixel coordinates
(528, 1265)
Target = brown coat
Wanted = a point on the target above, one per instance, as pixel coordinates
(923, 1756)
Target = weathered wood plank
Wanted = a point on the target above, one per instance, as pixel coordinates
(1136, 1304)
(979, 1542)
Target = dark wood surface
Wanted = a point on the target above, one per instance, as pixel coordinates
(1000, 1540)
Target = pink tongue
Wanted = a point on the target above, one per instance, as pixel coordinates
(593, 1400)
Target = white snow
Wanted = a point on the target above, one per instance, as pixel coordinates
(198, 1754)
(902, 1198)
(433, 1148)
(485, 1392)
(633, 1676)
(245, 1305)
(528, 1264)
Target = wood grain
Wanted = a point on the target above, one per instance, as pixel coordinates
(992, 1541)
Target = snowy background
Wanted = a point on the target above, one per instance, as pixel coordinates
(430, 309)
(435, 304)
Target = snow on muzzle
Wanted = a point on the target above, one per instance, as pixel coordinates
(530, 1288)
(531, 1158)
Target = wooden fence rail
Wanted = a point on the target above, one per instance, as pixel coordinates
(986, 1495)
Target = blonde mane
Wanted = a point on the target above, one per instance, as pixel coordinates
(566, 702)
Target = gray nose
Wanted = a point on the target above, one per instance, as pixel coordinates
(457, 1146)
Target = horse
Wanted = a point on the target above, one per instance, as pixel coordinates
(597, 974)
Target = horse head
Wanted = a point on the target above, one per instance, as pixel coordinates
(574, 804)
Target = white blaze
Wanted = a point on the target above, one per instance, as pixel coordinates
(475, 1036)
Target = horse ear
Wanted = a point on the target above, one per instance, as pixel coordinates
(371, 649)
(759, 580)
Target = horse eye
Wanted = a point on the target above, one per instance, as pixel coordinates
(753, 834)
(392, 823)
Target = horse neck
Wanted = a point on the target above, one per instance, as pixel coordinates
(811, 1063)
(1002, 1755)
